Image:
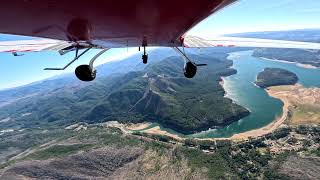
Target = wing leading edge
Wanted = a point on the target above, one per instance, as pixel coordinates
(189, 41)
(33, 45)
(197, 42)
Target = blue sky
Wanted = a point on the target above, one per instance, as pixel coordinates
(242, 16)
(261, 15)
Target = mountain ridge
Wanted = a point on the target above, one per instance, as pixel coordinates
(158, 92)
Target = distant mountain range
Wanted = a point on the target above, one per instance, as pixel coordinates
(310, 57)
(307, 35)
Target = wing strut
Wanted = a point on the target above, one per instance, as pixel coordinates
(74, 59)
(96, 56)
(182, 54)
(185, 57)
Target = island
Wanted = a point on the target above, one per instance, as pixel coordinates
(275, 77)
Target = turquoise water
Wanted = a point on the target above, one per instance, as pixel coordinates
(240, 88)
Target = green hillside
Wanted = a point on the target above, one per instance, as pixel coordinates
(159, 93)
(275, 77)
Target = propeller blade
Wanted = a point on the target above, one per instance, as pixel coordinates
(201, 64)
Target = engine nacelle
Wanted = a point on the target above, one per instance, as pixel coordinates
(189, 70)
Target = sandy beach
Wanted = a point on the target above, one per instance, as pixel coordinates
(290, 95)
(157, 130)
(241, 136)
(137, 127)
(304, 103)
(308, 66)
(270, 127)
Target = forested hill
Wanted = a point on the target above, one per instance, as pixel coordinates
(275, 77)
(158, 92)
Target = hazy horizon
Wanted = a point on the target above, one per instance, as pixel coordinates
(242, 16)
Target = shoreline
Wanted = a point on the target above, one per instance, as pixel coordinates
(268, 128)
(307, 66)
(138, 126)
(271, 126)
(240, 136)
(254, 133)
(157, 131)
(278, 121)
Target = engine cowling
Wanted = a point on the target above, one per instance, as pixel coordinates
(189, 70)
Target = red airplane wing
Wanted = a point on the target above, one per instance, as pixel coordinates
(111, 23)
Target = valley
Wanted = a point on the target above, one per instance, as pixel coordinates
(105, 151)
(149, 122)
(155, 93)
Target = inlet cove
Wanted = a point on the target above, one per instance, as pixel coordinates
(241, 88)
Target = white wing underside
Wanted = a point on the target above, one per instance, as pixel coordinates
(193, 41)
(33, 45)
(189, 41)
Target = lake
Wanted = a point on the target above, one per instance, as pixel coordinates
(241, 89)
